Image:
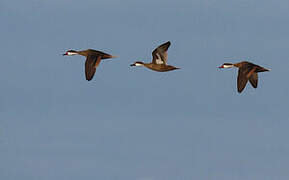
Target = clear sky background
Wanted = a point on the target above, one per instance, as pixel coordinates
(132, 123)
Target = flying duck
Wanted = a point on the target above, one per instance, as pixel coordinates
(247, 71)
(159, 61)
(93, 58)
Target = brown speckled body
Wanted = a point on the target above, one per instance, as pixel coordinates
(160, 67)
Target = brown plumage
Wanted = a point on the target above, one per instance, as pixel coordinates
(159, 61)
(247, 71)
(93, 58)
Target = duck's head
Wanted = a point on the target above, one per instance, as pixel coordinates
(137, 63)
(70, 53)
(227, 65)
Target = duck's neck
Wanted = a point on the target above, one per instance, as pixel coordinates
(83, 53)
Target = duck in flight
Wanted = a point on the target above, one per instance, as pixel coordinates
(247, 71)
(93, 58)
(159, 62)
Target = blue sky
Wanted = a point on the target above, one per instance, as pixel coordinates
(133, 123)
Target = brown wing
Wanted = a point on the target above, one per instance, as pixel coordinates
(103, 55)
(160, 54)
(257, 67)
(254, 80)
(261, 69)
(242, 78)
(91, 63)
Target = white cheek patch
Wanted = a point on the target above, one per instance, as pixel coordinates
(227, 66)
(138, 64)
(71, 53)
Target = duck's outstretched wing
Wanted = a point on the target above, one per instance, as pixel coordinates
(254, 80)
(92, 61)
(160, 54)
(242, 78)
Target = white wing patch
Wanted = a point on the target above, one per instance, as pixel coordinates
(159, 60)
